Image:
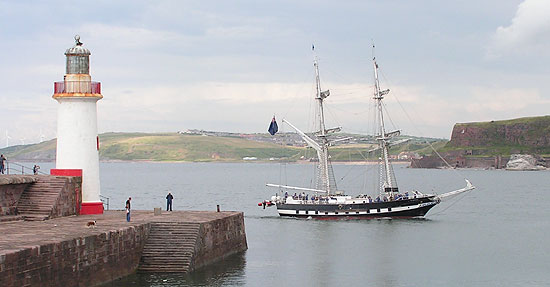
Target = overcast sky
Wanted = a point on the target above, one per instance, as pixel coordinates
(231, 65)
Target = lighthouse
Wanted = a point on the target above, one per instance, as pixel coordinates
(77, 140)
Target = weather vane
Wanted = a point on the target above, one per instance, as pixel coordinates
(77, 40)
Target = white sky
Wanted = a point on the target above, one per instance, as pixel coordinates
(231, 65)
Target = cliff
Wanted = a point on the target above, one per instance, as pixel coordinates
(530, 134)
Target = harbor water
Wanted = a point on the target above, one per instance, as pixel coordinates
(495, 235)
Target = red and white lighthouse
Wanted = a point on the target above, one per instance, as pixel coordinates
(77, 140)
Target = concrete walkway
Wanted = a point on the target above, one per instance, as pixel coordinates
(18, 235)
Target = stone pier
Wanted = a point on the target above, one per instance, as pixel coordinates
(65, 252)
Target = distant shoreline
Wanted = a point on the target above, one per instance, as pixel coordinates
(220, 161)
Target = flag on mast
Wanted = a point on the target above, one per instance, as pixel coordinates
(273, 128)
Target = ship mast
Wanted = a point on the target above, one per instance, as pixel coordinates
(324, 168)
(387, 178)
(324, 180)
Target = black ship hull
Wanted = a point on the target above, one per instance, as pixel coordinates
(407, 208)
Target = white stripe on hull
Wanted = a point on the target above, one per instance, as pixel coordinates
(373, 211)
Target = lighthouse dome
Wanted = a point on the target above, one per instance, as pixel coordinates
(77, 49)
(78, 58)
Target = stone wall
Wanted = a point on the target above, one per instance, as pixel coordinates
(11, 188)
(64, 252)
(82, 261)
(433, 161)
(496, 162)
(69, 199)
(218, 239)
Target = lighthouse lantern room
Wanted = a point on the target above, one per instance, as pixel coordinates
(77, 140)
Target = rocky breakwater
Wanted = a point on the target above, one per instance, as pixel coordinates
(525, 162)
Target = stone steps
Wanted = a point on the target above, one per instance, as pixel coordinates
(180, 253)
(42, 186)
(173, 245)
(28, 217)
(35, 211)
(171, 242)
(175, 262)
(169, 248)
(167, 238)
(164, 269)
(174, 253)
(39, 198)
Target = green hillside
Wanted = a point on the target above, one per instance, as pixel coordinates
(44, 151)
(199, 148)
(178, 147)
(162, 147)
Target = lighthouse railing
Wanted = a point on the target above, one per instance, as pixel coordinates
(83, 87)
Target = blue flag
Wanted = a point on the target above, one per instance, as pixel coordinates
(273, 128)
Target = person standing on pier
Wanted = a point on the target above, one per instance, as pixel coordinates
(2, 160)
(35, 169)
(169, 198)
(128, 209)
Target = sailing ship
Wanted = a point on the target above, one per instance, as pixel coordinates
(327, 201)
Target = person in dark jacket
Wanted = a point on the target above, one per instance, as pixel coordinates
(169, 198)
(35, 169)
(2, 162)
(128, 209)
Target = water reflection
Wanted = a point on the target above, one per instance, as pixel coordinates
(464, 244)
(227, 272)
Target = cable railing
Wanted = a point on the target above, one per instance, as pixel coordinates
(105, 201)
(16, 168)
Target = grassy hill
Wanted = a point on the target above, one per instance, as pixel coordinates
(44, 151)
(178, 147)
(198, 148)
(162, 147)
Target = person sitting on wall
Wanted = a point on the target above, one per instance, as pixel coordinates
(35, 169)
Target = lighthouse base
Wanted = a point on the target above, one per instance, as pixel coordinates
(91, 208)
